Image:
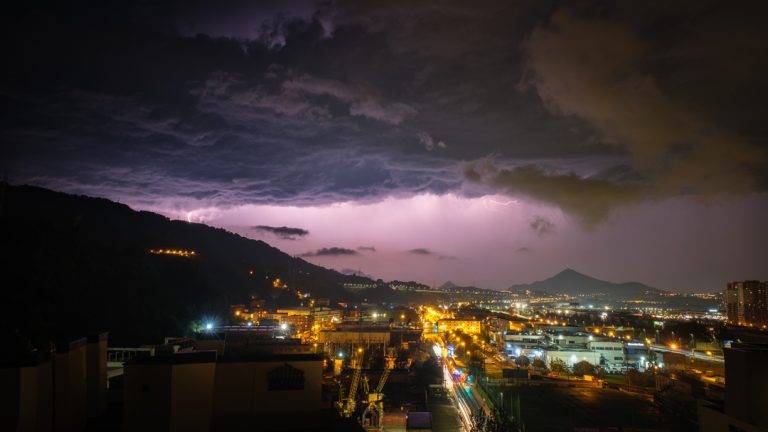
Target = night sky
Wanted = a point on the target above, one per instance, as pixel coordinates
(486, 143)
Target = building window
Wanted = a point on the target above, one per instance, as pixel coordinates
(285, 377)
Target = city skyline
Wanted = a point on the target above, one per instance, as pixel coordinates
(487, 146)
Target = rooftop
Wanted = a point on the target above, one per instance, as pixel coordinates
(211, 357)
(419, 420)
(177, 358)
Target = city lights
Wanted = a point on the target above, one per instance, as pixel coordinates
(437, 350)
(560, 200)
(173, 252)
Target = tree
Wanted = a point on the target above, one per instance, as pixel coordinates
(428, 372)
(557, 365)
(600, 372)
(539, 364)
(522, 361)
(583, 368)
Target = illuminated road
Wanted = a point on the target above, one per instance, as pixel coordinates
(464, 394)
(699, 356)
(459, 398)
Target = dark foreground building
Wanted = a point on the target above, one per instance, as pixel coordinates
(746, 392)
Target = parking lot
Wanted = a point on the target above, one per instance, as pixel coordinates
(551, 408)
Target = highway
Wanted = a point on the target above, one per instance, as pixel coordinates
(699, 356)
(458, 395)
(464, 394)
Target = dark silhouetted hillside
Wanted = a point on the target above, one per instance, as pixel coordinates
(76, 264)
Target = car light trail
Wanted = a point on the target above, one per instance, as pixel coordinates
(461, 406)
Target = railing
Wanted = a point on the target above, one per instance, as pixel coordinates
(116, 357)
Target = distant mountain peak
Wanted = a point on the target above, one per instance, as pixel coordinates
(448, 285)
(571, 282)
(571, 273)
(567, 271)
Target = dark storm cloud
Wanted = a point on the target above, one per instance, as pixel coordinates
(267, 21)
(193, 104)
(524, 250)
(430, 143)
(598, 70)
(283, 232)
(590, 199)
(330, 252)
(429, 252)
(360, 102)
(542, 226)
(421, 251)
(366, 248)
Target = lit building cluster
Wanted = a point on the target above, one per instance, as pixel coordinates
(358, 286)
(409, 286)
(468, 326)
(746, 303)
(175, 252)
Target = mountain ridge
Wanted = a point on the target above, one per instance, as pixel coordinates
(572, 282)
(84, 263)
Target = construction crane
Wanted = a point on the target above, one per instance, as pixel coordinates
(347, 407)
(375, 409)
(382, 380)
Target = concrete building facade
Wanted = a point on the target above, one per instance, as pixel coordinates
(170, 393)
(200, 391)
(96, 374)
(70, 393)
(746, 404)
(26, 399)
(54, 390)
(612, 351)
(468, 326)
(252, 390)
(577, 339)
(358, 336)
(572, 356)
